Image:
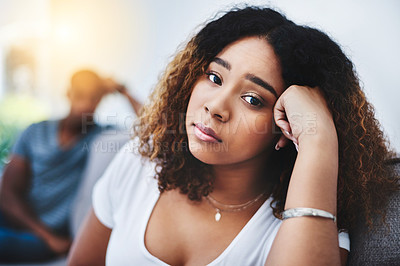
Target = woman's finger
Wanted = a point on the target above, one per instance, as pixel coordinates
(282, 142)
(282, 122)
(280, 116)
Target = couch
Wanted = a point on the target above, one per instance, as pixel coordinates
(102, 151)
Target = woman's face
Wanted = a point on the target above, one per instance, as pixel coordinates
(230, 113)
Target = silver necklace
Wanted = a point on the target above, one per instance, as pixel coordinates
(230, 207)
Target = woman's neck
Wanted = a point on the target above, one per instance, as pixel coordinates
(241, 182)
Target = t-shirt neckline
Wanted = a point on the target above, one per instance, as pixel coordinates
(220, 256)
(76, 144)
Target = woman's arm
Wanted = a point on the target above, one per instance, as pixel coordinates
(313, 184)
(343, 256)
(90, 247)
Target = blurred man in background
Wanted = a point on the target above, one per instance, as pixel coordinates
(39, 184)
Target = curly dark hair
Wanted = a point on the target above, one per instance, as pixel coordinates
(308, 57)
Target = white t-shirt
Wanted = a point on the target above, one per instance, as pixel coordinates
(125, 196)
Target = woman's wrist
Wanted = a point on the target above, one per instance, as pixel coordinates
(324, 138)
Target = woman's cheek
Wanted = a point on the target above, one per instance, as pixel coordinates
(262, 124)
(262, 130)
(199, 94)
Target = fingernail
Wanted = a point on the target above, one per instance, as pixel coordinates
(296, 145)
(287, 132)
(277, 147)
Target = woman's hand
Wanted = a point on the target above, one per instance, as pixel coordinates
(302, 113)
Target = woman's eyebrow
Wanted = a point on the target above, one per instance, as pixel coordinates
(222, 62)
(250, 77)
(261, 83)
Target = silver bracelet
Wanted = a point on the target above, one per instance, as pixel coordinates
(299, 212)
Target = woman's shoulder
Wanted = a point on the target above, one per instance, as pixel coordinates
(129, 167)
(129, 178)
(129, 153)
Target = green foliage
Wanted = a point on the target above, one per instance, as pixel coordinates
(16, 113)
(8, 134)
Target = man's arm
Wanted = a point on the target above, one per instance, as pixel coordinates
(13, 189)
(134, 103)
(112, 86)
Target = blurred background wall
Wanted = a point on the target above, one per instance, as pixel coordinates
(42, 42)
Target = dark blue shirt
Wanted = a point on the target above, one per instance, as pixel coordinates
(55, 172)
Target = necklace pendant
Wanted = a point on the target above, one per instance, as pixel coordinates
(217, 216)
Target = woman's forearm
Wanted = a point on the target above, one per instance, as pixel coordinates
(310, 240)
(314, 179)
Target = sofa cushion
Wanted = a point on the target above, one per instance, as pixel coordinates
(380, 245)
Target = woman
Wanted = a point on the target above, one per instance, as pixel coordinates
(217, 135)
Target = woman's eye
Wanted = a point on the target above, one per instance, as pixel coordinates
(252, 100)
(214, 78)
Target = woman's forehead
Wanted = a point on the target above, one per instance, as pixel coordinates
(252, 56)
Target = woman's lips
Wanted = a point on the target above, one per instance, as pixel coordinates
(205, 133)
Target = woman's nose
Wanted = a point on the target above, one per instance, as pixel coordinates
(218, 108)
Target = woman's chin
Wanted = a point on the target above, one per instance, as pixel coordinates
(208, 154)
